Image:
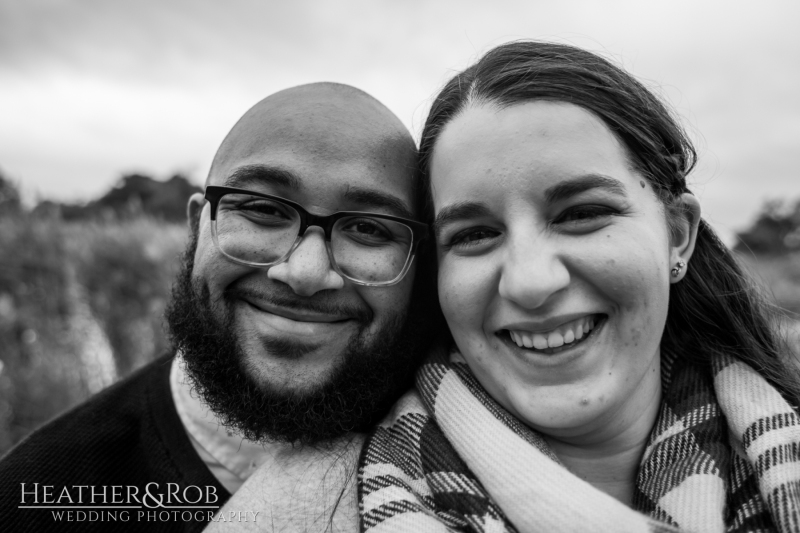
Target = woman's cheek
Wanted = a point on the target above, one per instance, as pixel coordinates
(627, 271)
(464, 293)
(450, 297)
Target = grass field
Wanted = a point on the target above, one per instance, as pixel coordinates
(81, 305)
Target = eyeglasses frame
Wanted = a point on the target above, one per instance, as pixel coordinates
(419, 231)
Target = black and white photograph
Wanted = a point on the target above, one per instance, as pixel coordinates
(400, 267)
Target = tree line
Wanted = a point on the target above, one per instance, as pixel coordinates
(133, 195)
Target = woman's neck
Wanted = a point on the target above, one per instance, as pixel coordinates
(608, 457)
(612, 471)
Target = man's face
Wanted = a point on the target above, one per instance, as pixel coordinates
(292, 329)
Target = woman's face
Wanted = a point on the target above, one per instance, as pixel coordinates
(554, 261)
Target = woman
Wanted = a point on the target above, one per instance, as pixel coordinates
(610, 367)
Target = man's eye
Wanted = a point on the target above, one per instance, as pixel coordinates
(263, 209)
(367, 230)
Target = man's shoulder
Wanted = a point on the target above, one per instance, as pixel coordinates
(126, 438)
(108, 422)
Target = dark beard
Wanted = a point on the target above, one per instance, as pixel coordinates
(374, 371)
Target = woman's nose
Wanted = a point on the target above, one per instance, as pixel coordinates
(532, 272)
(308, 269)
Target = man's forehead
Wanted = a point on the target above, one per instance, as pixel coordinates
(316, 140)
(321, 122)
(324, 137)
(306, 173)
(337, 194)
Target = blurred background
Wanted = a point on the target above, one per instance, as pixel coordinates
(111, 111)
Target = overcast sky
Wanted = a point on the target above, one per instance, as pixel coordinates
(90, 90)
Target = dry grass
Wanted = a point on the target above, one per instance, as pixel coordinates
(80, 306)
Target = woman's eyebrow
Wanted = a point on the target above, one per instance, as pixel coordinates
(458, 211)
(566, 189)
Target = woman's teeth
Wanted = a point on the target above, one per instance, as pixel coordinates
(564, 334)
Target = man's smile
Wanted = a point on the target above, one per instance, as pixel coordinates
(268, 318)
(297, 313)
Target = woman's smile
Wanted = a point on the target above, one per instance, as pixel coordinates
(579, 357)
(555, 340)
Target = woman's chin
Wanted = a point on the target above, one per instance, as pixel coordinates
(564, 412)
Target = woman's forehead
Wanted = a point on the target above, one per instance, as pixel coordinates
(532, 145)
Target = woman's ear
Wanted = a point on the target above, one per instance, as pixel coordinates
(684, 235)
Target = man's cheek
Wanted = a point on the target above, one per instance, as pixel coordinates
(389, 304)
(213, 270)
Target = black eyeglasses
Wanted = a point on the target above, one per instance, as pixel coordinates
(252, 228)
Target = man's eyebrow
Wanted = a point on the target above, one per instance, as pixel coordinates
(566, 189)
(254, 175)
(459, 211)
(375, 199)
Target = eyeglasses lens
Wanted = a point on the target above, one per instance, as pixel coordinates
(370, 249)
(261, 231)
(255, 230)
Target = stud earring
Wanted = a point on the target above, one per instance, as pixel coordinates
(676, 271)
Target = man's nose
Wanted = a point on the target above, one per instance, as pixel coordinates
(532, 272)
(308, 269)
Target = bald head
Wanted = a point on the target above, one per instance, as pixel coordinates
(327, 121)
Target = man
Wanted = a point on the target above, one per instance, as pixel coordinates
(296, 320)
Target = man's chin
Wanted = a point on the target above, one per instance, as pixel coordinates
(296, 371)
(284, 332)
(294, 350)
(283, 400)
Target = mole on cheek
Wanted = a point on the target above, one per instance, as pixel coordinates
(642, 184)
(585, 401)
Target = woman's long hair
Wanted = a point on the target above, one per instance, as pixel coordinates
(715, 308)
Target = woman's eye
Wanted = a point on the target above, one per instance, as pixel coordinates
(585, 214)
(472, 237)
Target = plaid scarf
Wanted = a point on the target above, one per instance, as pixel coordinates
(723, 456)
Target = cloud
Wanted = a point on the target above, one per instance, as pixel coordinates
(89, 89)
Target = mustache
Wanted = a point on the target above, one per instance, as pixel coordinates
(322, 302)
